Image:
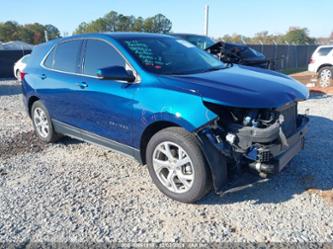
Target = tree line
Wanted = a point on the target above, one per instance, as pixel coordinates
(31, 33)
(294, 36)
(35, 33)
(113, 21)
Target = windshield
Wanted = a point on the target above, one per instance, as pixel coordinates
(167, 55)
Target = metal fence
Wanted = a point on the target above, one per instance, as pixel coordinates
(286, 56)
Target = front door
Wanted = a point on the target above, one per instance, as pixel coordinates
(106, 105)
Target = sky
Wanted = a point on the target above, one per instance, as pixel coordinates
(245, 17)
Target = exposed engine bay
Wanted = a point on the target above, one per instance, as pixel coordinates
(264, 140)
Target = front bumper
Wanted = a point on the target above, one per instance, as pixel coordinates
(267, 158)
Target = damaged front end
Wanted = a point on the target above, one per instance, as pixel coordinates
(238, 54)
(264, 140)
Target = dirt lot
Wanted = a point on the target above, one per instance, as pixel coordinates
(73, 191)
(311, 81)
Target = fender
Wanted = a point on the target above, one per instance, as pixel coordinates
(184, 109)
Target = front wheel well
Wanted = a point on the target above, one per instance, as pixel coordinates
(31, 101)
(149, 132)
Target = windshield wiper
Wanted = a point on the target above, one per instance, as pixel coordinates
(216, 68)
(201, 71)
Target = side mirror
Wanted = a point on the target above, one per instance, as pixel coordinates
(115, 73)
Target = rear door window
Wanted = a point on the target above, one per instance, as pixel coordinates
(66, 57)
(50, 59)
(324, 51)
(99, 54)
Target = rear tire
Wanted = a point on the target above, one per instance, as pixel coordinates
(325, 76)
(42, 123)
(177, 166)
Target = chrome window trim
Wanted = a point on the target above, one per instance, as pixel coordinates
(42, 64)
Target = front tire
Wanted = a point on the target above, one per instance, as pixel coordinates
(42, 123)
(325, 76)
(177, 166)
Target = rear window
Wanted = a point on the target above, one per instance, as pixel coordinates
(324, 51)
(65, 57)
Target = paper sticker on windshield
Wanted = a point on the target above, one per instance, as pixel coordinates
(186, 43)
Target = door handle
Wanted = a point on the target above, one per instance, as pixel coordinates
(43, 76)
(82, 85)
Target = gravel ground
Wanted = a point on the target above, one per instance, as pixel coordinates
(73, 191)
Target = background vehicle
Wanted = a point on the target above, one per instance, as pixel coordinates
(228, 52)
(191, 118)
(20, 65)
(321, 62)
(201, 41)
(239, 54)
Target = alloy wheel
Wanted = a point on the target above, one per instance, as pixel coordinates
(41, 122)
(173, 167)
(325, 78)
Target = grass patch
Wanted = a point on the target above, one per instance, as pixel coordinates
(293, 70)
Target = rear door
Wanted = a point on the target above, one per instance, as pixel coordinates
(106, 105)
(61, 80)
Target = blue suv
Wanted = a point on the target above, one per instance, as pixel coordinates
(192, 119)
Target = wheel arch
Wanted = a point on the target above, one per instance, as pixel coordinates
(324, 65)
(149, 132)
(31, 101)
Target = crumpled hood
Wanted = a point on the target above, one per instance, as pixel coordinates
(241, 86)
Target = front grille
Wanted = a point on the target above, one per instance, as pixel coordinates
(289, 125)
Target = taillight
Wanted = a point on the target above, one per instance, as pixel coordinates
(311, 61)
(22, 75)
